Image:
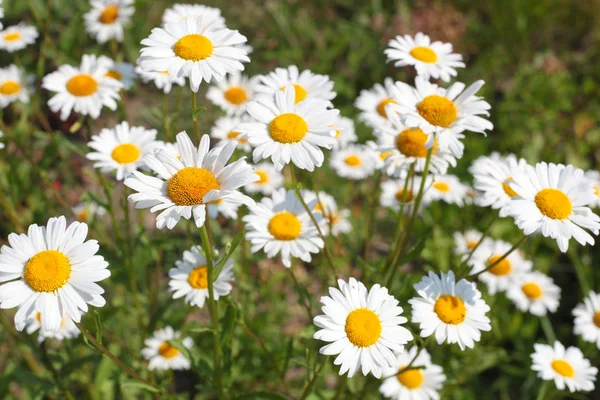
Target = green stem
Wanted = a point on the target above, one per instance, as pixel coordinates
(165, 113)
(483, 236)
(195, 117)
(305, 302)
(548, 330)
(499, 260)
(311, 383)
(580, 271)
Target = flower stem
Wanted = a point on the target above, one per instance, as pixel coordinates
(311, 383)
(580, 271)
(370, 215)
(305, 302)
(499, 260)
(548, 330)
(195, 117)
(165, 112)
(483, 236)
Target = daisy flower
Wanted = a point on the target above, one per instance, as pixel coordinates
(344, 132)
(491, 174)
(88, 211)
(453, 311)
(2, 145)
(594, 178)
(52, 270)
(280, 225)
(363, 326)
(182, 12)
(337, 220)
(226, 129)
(170, 147)
(84, 90)
(161, 79)
(373, 103)
(307, 85)
(354, 162)
(162, 355)
(232, 94)
(226, 209)
(122, 72)
(445, 112)
(67, 330)
(287, 131)
(17, 37)
(587, 319)
(106, 19)
(447, 188)
(270, 179)
(534, 292)
(466, 242)
(431, 60)
(566, 367)
(13, 86)
(393, 194)
(121, 148)
(552, 200)
(189, 278)
(414, 383)
(194, 50)
(185, 185)
(501, 276)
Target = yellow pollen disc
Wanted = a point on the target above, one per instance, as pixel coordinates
(236, 95)
(189, 185)
(450, 309)
(532, 290)
(10, 87)
(83, 216)
(337, 133)
(411, 143)
(288, 128)
(502, 268)
(233, 136)
(82, 85)
(285, 226)
(400, 196)
(471, 245)
(198, 278)
(12, 36)
(553, 203)
(385, 155)
(300, 93)
(411, 378)
(167, 351)
(381, 107)
(126, 153)
(563, 368)
(264, 178)
(441, 186)
(353, 160)
(424, 54)
(109, 14)
(437, 110)
(596, 191)
(507, 189)
(193, 47)
(47, 271)
(597, 319)
(363, 327)
(38, 316)
(113, 73)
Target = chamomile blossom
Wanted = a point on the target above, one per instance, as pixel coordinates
(344, 132)
(84, 89)
(122, 148)
(452, 311)
(88, 211)
(534, 292)
(373, 103)
(566, 367)
(182, 12)
(334, 218)
(232, 94)
(67, 330)
(17, 37)
(162, 355)
(280, 225)
(354, 162)
(194, 50)
(190, 278)
(172, 148)
(307, 85)
(553, 200)
(106, 19)
(13, 86)
(363, 328)
(53, 270)
(226, 129)
(122, 72)
(269, 179)
(224, 208)
(594, 178)
(186, 185)
(587, 319)
(397, 191)
(430, 59)
(2, 145)
(447, 188)
(467, 241)
(161, 79)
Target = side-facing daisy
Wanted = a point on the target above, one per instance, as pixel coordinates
(363, 326)
(566, 367)
(122, 72)
(287, 131)
(453, 311)
(161, 79)
(13, 86)
(2, 145)
(552, 200)
(307, 85)
(594, 178)
(587, 319)
(447, 188)
(226, 129)
(162, 355)
(270, 179)
(226, 209)
(373, 103)
(122, 148)
(106, 19)
(194, 50)
(182, 12)
(67, 330)
(88, 211)
(334, 219)
(421, 383)
(431, 60)
(190, 278)
(17, 37)
(53, 270)
(393, 194)
(344, 132)
(279, 224)
(466, 242)
(232, 94)
(354, 161)
(185, 185)
(534, 292)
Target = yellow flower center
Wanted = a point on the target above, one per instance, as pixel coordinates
(126, 153)
(47, 271)
(381, 107)
(441, 186)
(109, 14)
(437, 110)
(507, 189)
(411, 143)
(563, 368)
(193, 47)
(411, 378)
(352, 160)
(38, 316)
(424, 54)
(285, 226)
(450, 309)
(189, 185)
(288, 128)
(236, 95)
(401, 196)
(82, 85)
(10, 87)
(502, 268)
(113, 73)
(264, 177)
(300, 92)
(597, 319)
(83, 216)
(385, 155)
(596, 191)
(553, 203)
(363, 327)
(471, 245)
(337, 133)
(532, 290)
(198, 278)
(233, 136)
(167, 351)
(12, 36)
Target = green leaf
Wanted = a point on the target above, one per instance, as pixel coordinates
(228, 322)
(139, 385)
(98, 323)
(288, 356)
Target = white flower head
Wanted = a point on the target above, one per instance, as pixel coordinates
(182, 12)
(106, 19)
(594, 178)
(355, 162)
(17, 37)
(162, 355)
(587, 319)
(344, 132)
(337, 220)
(232, 94)
(373, 103)
(88, 211)
(393, 193)
(269, 179)
(534, 292)
(68, 329)
(447, 188)
(307, 85)
(13, 86)
(122, 72)
(226, 129)
(161, 79)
